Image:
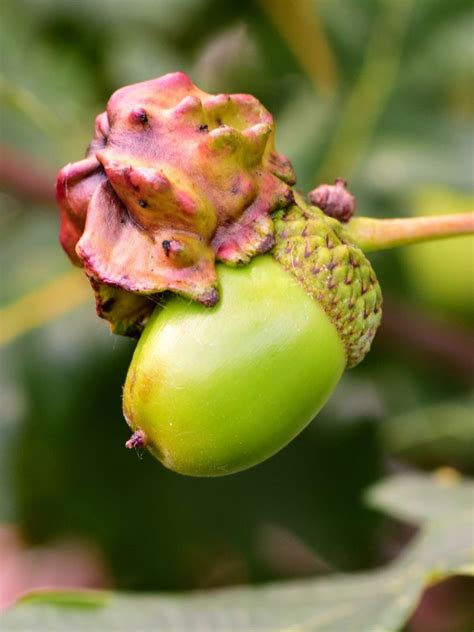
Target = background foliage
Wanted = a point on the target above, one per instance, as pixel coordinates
(377, 91)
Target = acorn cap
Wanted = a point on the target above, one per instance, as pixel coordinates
(318, 252)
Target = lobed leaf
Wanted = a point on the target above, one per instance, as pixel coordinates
(375, 601)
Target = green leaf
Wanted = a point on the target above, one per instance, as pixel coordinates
(440, 272)
(430, 436)
(67, 598)
(434, 501)
(377, 601)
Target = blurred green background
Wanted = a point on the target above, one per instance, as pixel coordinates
(379, 92)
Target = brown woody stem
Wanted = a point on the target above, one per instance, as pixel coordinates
(380, 234)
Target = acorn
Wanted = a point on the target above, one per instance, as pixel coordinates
(248, 301)
(214, 391)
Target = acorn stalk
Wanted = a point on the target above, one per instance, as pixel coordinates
(380, 234)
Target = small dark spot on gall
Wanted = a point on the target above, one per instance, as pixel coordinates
(289, 197)
(331, 285)
(331, 265)
(363, 290)
(219, 121)
(211, 298)
(139, 115)
(347, 281)
(142, 203)
(166, 244)
(315, 270)
(266, 245)
(235, 189)
(203, 128)
(108, 305)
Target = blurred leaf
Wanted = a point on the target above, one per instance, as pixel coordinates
(414, 153)
(303, 129)
(230, 61)
(68, 598)
(442, 273)
(30, 251)
(168, 15)
(348, 25)
(46, 91)
(442, 505)
(57, 297)
(429, 67)
(432, 436)
(301, 27)
(134, 54)
(369, 95)
(363, 602)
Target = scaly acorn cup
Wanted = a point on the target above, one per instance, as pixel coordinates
(235, 361)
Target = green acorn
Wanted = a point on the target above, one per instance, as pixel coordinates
(214, 391)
